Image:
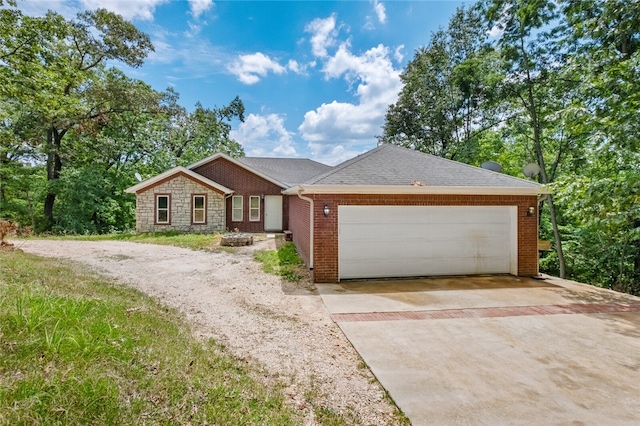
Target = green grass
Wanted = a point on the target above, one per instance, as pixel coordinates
(174, 238)
(77, 349)
(284, 261)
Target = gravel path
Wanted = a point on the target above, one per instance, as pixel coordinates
(282, 328)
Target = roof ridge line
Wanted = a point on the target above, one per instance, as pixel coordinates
(336, 169)
(461, 163)
(284, 159)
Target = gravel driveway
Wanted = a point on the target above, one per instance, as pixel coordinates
(281, 328)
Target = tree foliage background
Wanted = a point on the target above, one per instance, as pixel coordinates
(551, 82)
(74, 131)
(555, 82)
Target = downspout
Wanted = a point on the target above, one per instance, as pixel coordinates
(224, 212)
(302, 197)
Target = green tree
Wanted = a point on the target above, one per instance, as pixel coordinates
(600, 198)
(181, 137)
(443, 108)
(56, 80)
(528, 44)
(603, 215)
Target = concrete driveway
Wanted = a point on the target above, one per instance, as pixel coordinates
(497, 350)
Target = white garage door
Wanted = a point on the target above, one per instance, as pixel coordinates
(405, 241)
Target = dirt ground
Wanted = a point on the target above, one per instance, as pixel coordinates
(281, 328)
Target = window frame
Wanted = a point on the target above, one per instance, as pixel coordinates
(203, 209)
(234, 209)
(157, 209)
(251, 208)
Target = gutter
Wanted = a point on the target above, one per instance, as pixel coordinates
(224, 206)
(302, 197)
(416, 190)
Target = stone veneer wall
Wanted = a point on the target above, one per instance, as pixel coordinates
(181, 189)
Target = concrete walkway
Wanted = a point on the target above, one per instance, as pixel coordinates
(497, 350)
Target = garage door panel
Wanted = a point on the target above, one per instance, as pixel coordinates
(354, 232)
(417, 249)
(431, 267)
(395, 241)
(390, 214)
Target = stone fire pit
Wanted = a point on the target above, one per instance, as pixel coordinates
(236, 239)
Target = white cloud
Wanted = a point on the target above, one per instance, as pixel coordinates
(40, 8)
(251, 68)
(198, 7)
(496, 31)
(397, 54)
(498, 28)
(265, 136)
(194, 29)
(368, 24)
(377, 85)
(324, 34)
(335, 154)
(129, 9)
(299, 68)
(380, 10)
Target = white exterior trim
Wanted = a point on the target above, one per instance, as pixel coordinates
(162, 176)
(237, 163)
(413, 190)
(311, 227)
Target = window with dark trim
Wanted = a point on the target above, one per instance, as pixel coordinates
(199, 209)
(236, 208)
(163, 209)
(254, 208)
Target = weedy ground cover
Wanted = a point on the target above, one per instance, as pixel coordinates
(78, 349)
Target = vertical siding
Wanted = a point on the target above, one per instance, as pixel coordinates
(325, 243)
(300, 226)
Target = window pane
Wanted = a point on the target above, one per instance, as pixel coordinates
(163, 216)
(254, 208)
(236, 214)
(198, 202)
(163, 202)
(198, 216)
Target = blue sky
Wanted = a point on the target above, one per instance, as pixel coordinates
(316, 77)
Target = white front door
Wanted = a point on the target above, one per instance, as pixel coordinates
(405, 241)
(273, 212)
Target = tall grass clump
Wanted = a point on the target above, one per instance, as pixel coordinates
(77, 349)
(284, 261)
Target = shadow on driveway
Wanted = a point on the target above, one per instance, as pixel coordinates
(496, 349)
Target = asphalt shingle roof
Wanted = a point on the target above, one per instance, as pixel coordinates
(394, 165)
(289, 171)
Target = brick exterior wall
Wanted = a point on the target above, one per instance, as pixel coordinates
(300, 226)
(325, 244)
(180, 188)
(245, 184)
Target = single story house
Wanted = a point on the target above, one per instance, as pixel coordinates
(220, 194)
(390, 212)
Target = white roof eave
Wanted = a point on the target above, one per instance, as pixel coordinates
(158, 178)
(414, 190)
(239, 164)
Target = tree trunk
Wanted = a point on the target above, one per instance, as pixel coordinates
(634, 286)
(537, 141)
(54, 167)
